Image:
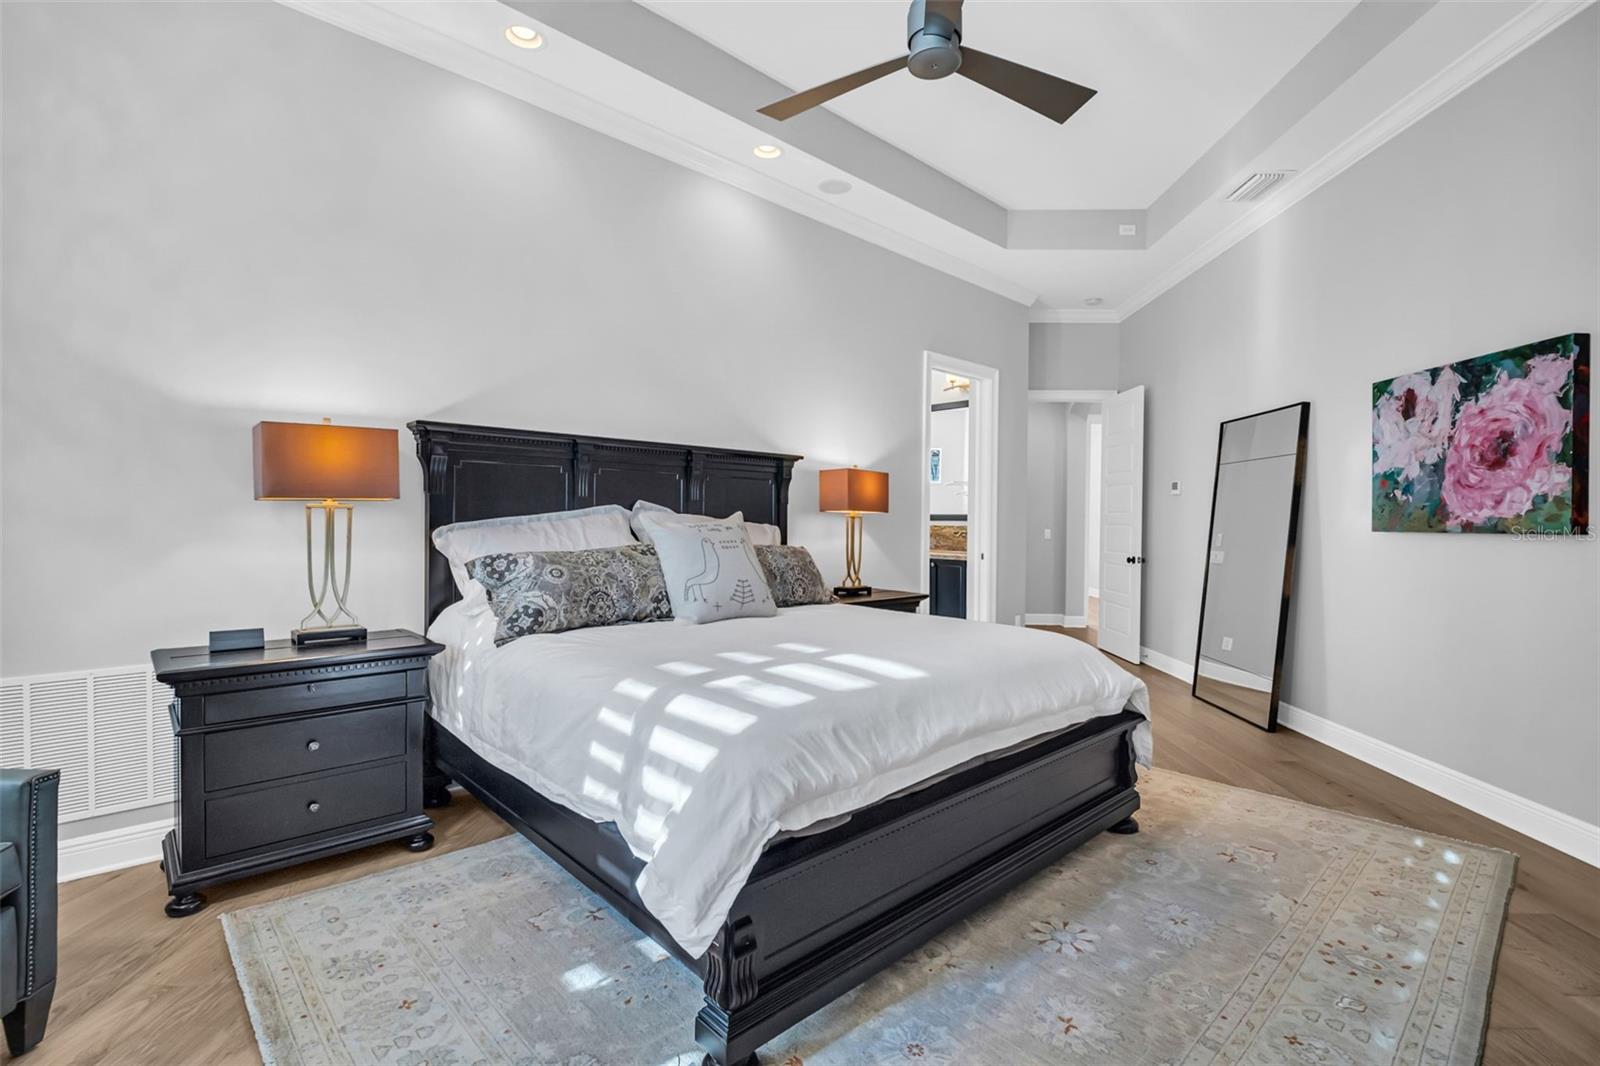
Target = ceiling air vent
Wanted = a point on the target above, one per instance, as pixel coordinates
(1257, 185)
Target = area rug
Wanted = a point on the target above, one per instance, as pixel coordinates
(1236, 927)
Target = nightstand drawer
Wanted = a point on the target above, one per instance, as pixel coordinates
(304, 746)
(310, 696)
(302, 808)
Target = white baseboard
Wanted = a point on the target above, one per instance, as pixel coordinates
(1070, 621)
(1547, 825)
(1168, 665)
(114, 849)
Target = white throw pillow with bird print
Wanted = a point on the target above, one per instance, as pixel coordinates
(711, 570)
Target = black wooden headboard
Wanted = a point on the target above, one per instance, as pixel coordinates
(473, 472)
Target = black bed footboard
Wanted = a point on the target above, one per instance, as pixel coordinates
(822, 913)
(808, 928)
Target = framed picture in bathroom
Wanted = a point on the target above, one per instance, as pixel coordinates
(935, 462)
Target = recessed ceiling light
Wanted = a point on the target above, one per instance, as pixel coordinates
(768, 151)
(1094, 301)
(835, 187)
(524, 37)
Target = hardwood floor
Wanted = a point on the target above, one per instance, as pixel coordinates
(138, 987)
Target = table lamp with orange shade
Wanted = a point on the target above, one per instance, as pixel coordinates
(330, 467)
(853, 492)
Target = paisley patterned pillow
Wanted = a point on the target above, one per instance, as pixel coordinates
(553, 591)
(792, 575)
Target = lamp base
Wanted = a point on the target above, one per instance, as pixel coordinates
(327, 635)
(846, 591)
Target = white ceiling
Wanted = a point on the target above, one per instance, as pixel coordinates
(1172, 78)
(967, 182)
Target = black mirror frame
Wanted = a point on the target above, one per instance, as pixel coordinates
(1288, 563)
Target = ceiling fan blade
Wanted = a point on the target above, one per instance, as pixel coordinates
(793, 105)
(1055, 98)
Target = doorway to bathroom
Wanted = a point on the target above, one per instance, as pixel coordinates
(960, 445)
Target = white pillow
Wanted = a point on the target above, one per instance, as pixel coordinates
(760, 532)
(711, 570)
(590, 527)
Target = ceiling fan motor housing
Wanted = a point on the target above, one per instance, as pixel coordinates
(934, 40)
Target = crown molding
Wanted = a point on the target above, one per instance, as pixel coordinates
(389, 25)
(1083, 316)
(1516, 35)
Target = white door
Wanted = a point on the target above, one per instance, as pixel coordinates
(1121, 522)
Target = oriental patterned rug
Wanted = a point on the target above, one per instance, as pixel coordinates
(1236, 927)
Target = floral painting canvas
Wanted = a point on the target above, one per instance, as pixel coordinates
(1496, 444)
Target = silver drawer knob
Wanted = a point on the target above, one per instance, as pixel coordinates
(313, 745)
(313, 806)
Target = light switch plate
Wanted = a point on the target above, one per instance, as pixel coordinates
(1216, 557)
(1227, 643)
(1176, 488)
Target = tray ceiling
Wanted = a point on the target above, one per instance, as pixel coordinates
(1172, 78)
(1083, 222)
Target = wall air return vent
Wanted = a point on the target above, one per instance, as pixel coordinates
(1257, 185)
(107, 731)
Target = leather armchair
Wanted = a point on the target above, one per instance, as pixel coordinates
(28, 805)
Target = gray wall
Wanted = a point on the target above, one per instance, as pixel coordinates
(1473, 231)
(1058, 486)
(1070, 538)
(222, 213)
(1047, 481)
(1072, 355)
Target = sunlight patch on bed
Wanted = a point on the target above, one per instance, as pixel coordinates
(649, 824)
(709, 713)
(665, 788)
(611, 760)
(882, 667)
(762, 692)
(749, 658)
(682, 750)
(683, 669)
(637, 690)
(821, 677)
(622, 723)
(604, 793)
(804, 649)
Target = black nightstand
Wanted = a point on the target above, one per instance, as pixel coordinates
(888, 600)
(288, 754)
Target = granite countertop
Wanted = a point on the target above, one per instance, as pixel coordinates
(942, 553)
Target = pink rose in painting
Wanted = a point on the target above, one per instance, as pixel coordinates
(1504, 451)
(1411, 424)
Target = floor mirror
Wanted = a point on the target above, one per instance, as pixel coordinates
(1244, 605)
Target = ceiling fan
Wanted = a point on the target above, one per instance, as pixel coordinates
(933, 40)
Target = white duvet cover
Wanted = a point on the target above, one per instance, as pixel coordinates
(701, 742)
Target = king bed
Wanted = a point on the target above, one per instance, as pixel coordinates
(837, 784)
